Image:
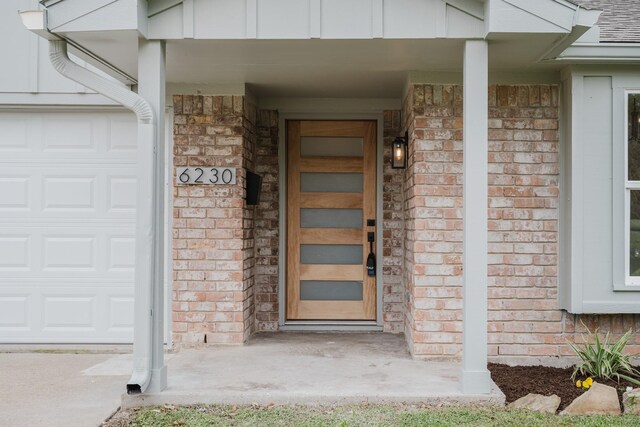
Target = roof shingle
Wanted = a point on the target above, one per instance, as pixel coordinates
(620, 19)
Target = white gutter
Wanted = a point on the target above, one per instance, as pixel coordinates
(593, 53)
(583, 20)
(35, 21)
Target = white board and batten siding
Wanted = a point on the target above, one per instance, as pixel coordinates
(27, 76)
(67, 226)
(304, 19)
(592, 225)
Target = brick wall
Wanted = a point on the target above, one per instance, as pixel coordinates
(213, 251)
(249, 119)
(524, 319)
(392, 230)
(523, 220)
(226, 254)
(433, 212)
(267, 216)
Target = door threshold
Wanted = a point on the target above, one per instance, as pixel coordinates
(321, 326)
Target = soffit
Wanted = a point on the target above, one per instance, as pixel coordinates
(316, 68)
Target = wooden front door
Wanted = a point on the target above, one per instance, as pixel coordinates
(331, 209)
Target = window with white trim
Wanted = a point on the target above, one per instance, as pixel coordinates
(632, 190)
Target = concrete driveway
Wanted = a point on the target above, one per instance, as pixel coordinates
(54, 389)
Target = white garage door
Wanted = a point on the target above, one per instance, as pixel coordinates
(67, 217)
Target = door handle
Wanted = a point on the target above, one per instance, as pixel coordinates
(371, 259)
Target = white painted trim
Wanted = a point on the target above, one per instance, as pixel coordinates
(475, 378)
(576, 197)
(282, 219)
(380, 220)
(282, 198)
(332, 105)
(601, 53)
(618, 191)
(564, 179)
(612, 295)
(631, 283)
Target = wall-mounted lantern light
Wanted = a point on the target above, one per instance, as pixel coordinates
(399, 152)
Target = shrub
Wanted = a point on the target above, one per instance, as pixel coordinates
(602, 359)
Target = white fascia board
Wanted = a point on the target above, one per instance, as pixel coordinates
(557, 13)
(542, 16)
(583, 21)
(601, 52)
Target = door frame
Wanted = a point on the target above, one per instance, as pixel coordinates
(312, 325)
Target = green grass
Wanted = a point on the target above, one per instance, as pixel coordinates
(361, 415)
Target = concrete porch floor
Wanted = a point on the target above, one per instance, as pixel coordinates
(311, 368)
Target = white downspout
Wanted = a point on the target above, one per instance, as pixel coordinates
(35, 21)
(144, 270)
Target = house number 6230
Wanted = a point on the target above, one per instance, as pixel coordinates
(205, 175)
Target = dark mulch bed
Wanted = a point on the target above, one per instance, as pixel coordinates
(518, 381)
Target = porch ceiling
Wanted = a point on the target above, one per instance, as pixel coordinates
(372, 68)
(313, 68)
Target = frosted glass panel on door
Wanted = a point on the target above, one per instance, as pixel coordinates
(318, 290)
(331, 254)
(331, 182)
(316, 146)
(331, 218)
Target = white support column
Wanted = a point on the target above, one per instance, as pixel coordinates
(475, 377)
(151, 86)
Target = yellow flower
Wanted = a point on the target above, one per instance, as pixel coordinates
(578, 383)
(589, 381)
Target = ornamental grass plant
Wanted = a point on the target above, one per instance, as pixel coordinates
(604, 359)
